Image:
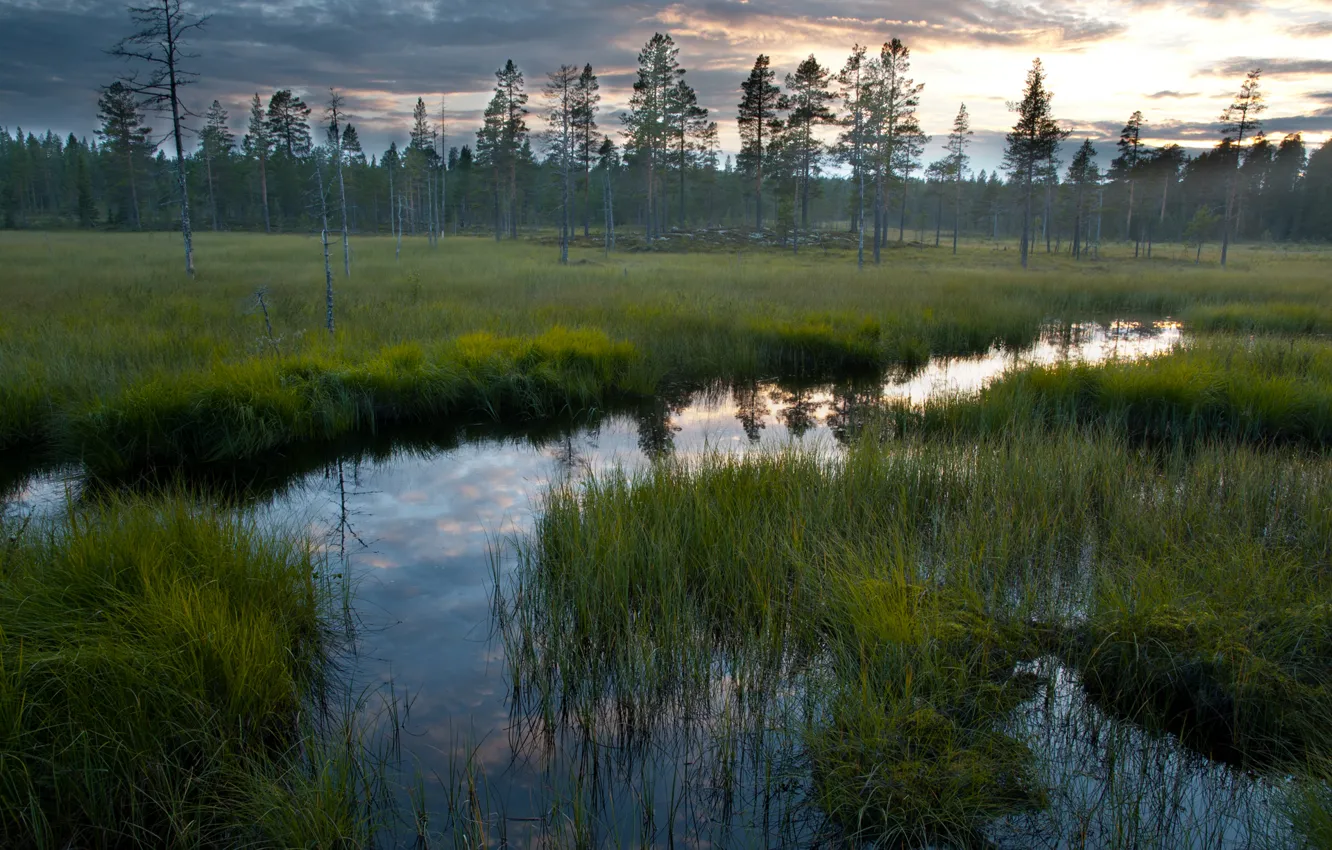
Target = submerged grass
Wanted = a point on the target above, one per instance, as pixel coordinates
(160, 665)
(106, 351)
(899, 592)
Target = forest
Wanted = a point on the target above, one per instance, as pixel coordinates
(821, 148)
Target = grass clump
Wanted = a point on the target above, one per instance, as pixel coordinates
(235, 412)
(156, 662)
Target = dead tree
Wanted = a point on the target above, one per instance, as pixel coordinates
(323, 218)
(334, 114)
(157, 42)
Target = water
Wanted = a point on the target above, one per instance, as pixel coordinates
(420, 525)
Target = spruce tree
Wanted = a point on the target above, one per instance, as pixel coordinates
(125, 140)
(215, 142)
(259, 144)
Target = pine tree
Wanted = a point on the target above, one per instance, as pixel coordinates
(587, 96)
(893, 126)
(760, 106)
(648, 125)
(955, 164)
(1082, 174)
(289, 124)
(1125, 166)
(688, 120)
(1240, 119)
(811, 99)
(854, 83)
(559, 94)
(1032, 143)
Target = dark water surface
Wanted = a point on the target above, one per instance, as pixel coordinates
(422, 527)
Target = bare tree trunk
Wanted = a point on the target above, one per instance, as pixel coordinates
(342, 197)
(170, 49)
(957, 211)
(938, 216)
(860, 213)
(1026, 219)
(901, 221)
(1128, 225)
(134, 189)
(878, 214)
(328, 267)
(609, 206)
(212, 196)
(263, 190)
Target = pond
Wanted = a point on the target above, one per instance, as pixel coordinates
(421, 527)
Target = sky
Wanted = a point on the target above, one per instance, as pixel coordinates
(1180, 63)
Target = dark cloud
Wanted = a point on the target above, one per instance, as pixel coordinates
(1171, 94)
(52, 52)
(1271, 67)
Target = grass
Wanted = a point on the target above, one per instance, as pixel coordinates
(901, 590)
(1269, 390)
(160, 664)
(109, 356)
(848, 634)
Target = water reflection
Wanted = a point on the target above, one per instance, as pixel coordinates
(417, 516)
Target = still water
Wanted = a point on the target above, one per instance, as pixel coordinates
(421, 529)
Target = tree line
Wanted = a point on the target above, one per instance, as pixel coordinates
(822, 150)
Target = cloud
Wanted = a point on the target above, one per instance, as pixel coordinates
(1171, 94)
(1271, 67)
(1317, 29)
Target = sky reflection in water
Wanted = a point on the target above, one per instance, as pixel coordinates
(420, 532)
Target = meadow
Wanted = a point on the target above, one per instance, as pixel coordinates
(108, 357)
(882, 617)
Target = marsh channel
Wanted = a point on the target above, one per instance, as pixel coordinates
(424, 528)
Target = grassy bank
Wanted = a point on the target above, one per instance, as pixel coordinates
(900, 591)
(159, 671)
(1267, 390)
(108, 354)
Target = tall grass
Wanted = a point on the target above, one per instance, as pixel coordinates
(900, 591)
(160, 671)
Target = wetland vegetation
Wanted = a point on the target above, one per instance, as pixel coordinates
(1083, 606)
